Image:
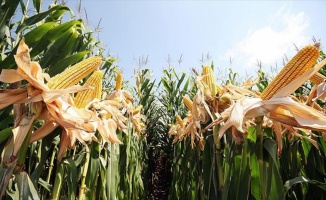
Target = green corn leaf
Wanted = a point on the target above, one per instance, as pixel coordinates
(57, 14)
(71, 44)
(23, 8)
(112, 172)
(252, 134)
(60, 49)
(53, 35)
(66, 62)
(185, 87)
(272, 178)
(290, 183)
(45, 149)
(59, 178)
(7, 10)
(26, 187)
(39, 17)
(148, 91)
(207, 166)
(307, 146)
(255, 177)
(271, 147)
(295, 162)
(43, 44)
(37, 5)
(145, 85)
(166, 85)
(93, 170)
(37, 33)
(71, 170)
(180, 81)
(45, 185)
(227, 172)
(243, 186)
(5, 112)
(54, 51)
(5, 133)
(102, 181)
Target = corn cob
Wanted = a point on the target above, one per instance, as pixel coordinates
(137, 110)
(74, 74)
(180, 121)
(187, 102)
(317, 78)
(299, 64)
(209, 80)
(118, 82)
(84, 97)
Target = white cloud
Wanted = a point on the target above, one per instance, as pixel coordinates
(269, 44)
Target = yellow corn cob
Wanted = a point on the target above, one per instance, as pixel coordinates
(187, 102)
(117, 99)
(317, 78)
(118, 82)
(299, 64)
(74, 74)
(209, 80)
(219, 88)
(84, 97)
(180, 121)
(108, 116)
(137, 110)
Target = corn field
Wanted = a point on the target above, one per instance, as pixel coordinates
(72, 127)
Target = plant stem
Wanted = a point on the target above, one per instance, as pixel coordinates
(219, 159)
(83, 188)
(261, 156)
(99, 148)
(50, 166)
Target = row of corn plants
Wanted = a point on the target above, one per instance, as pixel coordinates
(239, 143)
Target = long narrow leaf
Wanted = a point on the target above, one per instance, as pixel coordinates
(39, 17)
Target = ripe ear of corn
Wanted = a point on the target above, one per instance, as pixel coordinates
(317, 78)
(84, 97)
(180, 121)
(74, 74)
(187, 102)
(118, 83)
(137, 110)
(209, 80)
(299, 64)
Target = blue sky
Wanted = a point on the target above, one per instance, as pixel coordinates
(245, 31)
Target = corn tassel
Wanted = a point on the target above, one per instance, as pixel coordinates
(300, 63)
(74, 74)
(317, 78)
(188, 102)
(84, 97)
(118, 83)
